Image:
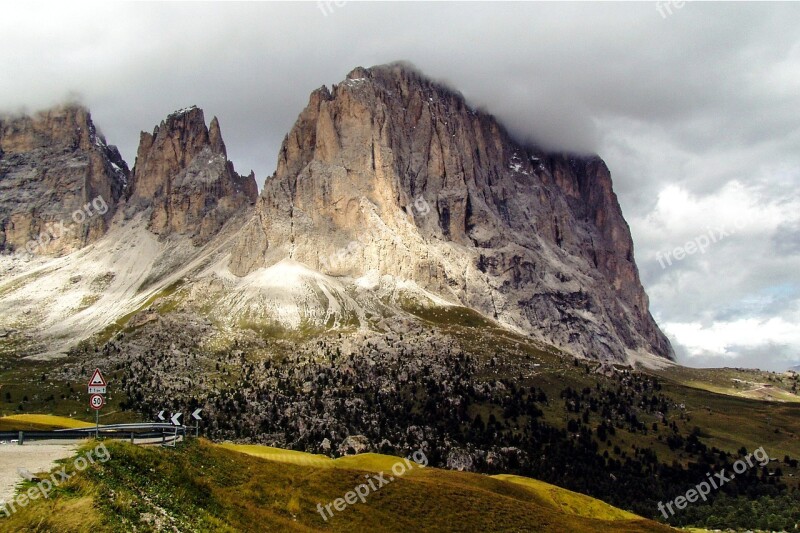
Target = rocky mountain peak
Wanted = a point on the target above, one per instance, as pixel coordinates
(53, 165)
(183, 177)
(215, 138)
(404, 175)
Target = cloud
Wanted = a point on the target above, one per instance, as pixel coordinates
(696, 114)
(768, 356)
(786, 238)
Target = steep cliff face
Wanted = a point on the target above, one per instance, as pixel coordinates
(59, 181)
(390, 173)
(183, 177)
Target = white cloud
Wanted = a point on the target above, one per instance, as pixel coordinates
(726, 338)
(734, 209)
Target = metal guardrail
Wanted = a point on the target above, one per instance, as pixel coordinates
(40, 435)
(167, 432)
(126, 427)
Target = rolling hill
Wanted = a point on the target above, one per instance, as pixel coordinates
(205, 487)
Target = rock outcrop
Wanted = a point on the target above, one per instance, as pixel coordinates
(391, 173)
(183, 178)
(59, 181)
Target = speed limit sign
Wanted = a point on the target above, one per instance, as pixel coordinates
(96, 401)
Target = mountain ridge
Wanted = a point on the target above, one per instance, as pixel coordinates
(370, 159)
(389, 187)
(53, 165)
(182, 173)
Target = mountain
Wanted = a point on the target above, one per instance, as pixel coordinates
(174, 213)
(391, 176)
(183, 176)
(391, 195)
(59, 181)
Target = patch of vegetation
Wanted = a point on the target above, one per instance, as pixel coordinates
(120, 325)
(20, 281)
(447, 315)
(87, 301)
(101, 282)
(740, 382)
(274, 330)
(202, 487)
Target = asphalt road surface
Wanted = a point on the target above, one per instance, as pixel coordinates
(34, 457)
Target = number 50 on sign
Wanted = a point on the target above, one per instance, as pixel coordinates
(96, 401)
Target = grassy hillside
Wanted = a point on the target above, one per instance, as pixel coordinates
(205, 487)
(40, 422)
(570, 503)
(739, 382)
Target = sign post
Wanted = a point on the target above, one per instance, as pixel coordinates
(176, 423)
(163, 433)
(96, 402)
(97, 387)
(197, 419)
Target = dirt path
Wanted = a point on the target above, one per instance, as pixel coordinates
(34, 458)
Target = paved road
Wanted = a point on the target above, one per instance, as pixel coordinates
(34, 457)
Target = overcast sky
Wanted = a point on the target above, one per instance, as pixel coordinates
(696, 111)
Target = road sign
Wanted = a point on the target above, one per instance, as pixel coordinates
(175, 418)
(197, 419)
(96, 402)
(97, 385)
(161, 415)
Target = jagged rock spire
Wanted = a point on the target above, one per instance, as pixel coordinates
(183, 177)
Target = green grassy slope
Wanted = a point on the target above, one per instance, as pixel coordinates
(205, 487)
(732, 407)
(739, 382)
(571, 503)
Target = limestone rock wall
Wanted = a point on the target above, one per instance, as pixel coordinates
(404, 176)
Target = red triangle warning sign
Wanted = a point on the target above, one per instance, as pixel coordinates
(97, 379)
